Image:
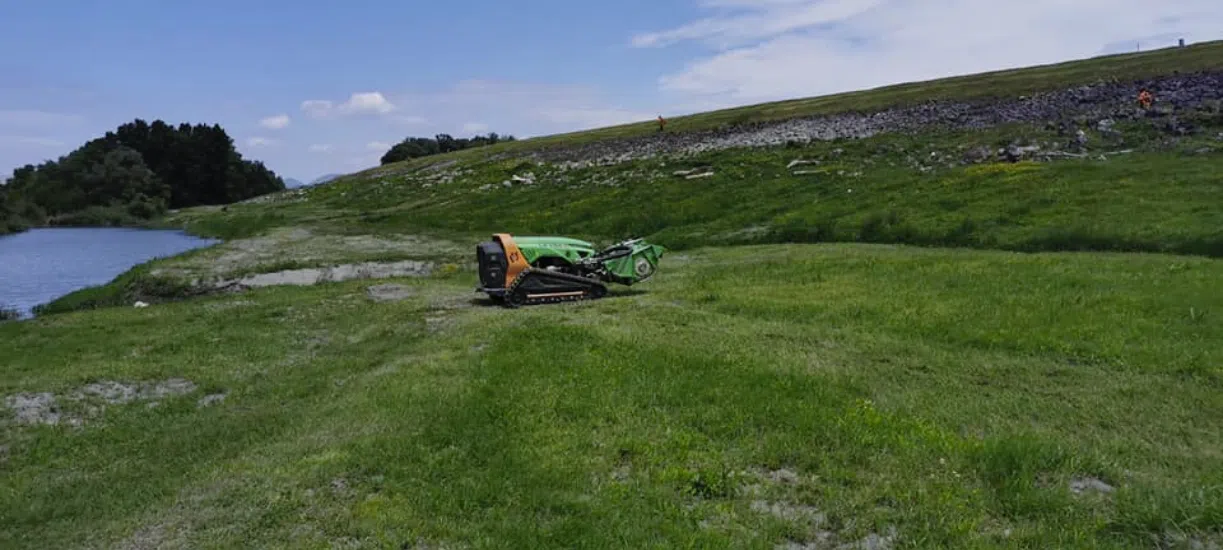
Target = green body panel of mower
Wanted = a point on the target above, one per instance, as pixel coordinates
(570, 250)
(637, 265)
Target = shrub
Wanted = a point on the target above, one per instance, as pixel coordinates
(135, 285)
(9, 314)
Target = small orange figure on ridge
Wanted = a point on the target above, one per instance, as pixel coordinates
(1145, 99)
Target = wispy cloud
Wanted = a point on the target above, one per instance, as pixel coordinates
(751, 20)
(775, 49)
(32, 140)
(359, 103)
(362, 162)
(409, 120)
(591, 117)
(32, 118)
(519, 108)
(466, 108)
(276, 122)
(261, 142)
(316, 107)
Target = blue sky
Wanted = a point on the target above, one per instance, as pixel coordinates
(320, 87)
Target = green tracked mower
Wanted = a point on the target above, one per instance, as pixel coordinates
(520, 271)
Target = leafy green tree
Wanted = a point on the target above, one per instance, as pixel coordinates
(417, 147)
(122, 176)
(136, 171)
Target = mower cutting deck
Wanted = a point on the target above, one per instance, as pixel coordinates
(522, 271)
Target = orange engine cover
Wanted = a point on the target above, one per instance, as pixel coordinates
(513, 257)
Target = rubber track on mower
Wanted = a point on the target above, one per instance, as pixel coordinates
(591, 289)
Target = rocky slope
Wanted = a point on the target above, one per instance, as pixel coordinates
(1081, 107)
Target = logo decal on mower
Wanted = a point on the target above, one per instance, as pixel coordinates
(644, 268)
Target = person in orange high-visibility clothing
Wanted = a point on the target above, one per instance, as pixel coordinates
(1145, 99)
(662, 123)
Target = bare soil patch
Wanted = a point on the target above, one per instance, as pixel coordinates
(90, 400)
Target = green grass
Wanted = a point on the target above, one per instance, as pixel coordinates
(136, 284)
(950, 394)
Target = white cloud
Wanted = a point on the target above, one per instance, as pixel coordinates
(260, 142)
(367, 103)
(316, 107)
(275, 122)
(378, 146)
(475, 128)
(321, 148)
(359, 103)
(776, 49)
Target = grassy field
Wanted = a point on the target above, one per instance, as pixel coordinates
(896, 342)
(747, 397)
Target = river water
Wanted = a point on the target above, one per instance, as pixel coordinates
(40, 265)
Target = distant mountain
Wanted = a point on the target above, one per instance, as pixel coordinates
(293, 183)
(325, 179)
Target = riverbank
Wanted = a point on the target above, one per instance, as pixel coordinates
(157, 223)
(44, 264)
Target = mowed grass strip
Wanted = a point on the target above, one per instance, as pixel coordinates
(746, 398)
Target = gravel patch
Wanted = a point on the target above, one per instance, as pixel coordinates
(789, 512)
(388, 293)
(313, 276)
(211, 399)
(825, 540)
(1089, 484)
(48, 409)
(34, 408)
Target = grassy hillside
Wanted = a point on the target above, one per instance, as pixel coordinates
(874, 343)
(999, 84)
(1139, 190)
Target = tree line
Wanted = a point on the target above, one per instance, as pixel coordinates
(133, 174)
(416, 147)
